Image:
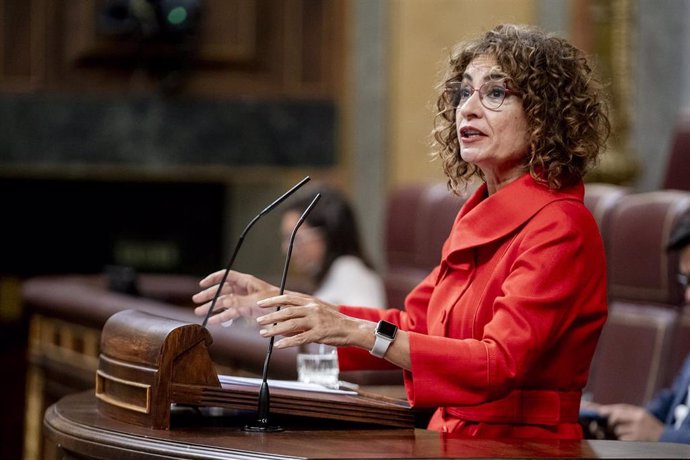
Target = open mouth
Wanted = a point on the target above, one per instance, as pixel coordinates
(469, 132)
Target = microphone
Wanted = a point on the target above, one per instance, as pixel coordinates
(251, 223)
(264, 403)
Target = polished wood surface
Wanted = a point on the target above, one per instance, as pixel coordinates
(74, 428)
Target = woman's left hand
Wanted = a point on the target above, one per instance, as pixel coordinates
(239, 295)
(304, 319)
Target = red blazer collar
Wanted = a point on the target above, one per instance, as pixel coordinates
(485, 219)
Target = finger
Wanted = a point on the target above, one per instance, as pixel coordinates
(623, 432)
(224, 317)
(213, 278)
(613, 419)
(244, 281)
(604, 410)
(205, 295)
(284, 300)
(272, 302)
(243, 303)
(286, 326)
(619, 422)
(227, 307)
(612, 409)
(281, 316)
(292, 341)
(201, 310)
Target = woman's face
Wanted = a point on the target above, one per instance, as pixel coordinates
(496, 140)
(309, 249)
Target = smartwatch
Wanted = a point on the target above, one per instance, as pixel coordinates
(385, 334)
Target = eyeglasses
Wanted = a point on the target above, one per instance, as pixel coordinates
(683, 279)
(491, 93)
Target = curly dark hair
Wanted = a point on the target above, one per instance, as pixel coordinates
(563, 101)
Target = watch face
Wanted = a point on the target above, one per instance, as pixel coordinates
(386, 329)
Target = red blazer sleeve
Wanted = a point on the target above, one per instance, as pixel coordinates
(412, 318)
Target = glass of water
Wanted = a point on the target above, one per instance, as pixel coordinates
(319, 365)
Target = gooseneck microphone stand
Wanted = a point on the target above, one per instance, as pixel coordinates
(266, 210)
(263, 409)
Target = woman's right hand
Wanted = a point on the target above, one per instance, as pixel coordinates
(238, 296)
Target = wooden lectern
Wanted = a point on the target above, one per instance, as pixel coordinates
(142, 357)
(148, 363)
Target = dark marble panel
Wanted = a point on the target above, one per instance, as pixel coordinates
(61, 130)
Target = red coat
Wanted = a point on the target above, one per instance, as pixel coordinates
(503, 330)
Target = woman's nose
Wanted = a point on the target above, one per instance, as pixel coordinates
(472, 106)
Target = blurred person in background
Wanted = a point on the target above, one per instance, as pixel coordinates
(328, 250)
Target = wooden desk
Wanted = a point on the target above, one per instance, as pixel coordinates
(75, 429)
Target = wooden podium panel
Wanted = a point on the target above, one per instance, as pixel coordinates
(74, 428)
(149, 363)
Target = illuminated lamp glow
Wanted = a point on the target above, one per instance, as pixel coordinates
(177, 15)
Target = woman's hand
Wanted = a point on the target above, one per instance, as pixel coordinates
(239, 296)
(304, 319)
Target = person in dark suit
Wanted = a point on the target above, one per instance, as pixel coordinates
(666, 417)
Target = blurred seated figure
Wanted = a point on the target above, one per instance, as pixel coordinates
(328, 250)
(665, 418)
